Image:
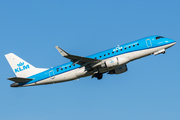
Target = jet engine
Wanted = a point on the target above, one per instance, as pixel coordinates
(119, 70)
(110, 63)
(116, 61)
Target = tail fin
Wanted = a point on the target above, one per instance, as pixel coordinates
(20, 67)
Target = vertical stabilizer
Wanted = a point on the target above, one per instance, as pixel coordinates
(22, 68)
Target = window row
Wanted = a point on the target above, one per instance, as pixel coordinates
(57, 69)
(95, 57)
(117, 50)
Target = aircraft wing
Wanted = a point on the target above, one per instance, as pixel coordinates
(19, 79)
(77, 59)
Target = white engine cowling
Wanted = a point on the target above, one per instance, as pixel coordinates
(119, 70)
(111, 63)
(116, 61)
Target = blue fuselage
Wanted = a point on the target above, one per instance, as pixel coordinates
(132, 47)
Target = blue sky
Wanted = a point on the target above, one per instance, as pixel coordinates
(149, 90)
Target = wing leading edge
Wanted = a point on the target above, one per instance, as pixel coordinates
(77, 59)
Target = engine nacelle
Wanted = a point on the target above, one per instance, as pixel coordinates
(116, 61)
(110, 63)
(119, 70)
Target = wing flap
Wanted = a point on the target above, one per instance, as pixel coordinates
(20, 79)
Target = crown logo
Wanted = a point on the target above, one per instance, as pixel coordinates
(20, 64)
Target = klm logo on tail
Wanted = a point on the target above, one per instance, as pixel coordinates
(21, 67)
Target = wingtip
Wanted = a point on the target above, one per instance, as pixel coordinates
(61, 51)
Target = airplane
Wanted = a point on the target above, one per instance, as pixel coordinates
(111, 61)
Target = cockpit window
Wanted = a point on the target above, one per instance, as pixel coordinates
(159, 37)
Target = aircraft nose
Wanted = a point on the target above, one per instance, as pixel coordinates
(173, 42)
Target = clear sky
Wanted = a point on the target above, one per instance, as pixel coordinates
(150, 90)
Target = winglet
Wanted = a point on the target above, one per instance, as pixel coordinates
(61, 51)
(77, 59)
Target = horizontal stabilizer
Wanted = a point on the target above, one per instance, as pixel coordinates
(20, 79)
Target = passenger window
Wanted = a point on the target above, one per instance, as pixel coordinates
(69, 66)
(112, 52)
(61, 69)
(121, 49)
(65, 67)
(137, 43)
(74, 65)
(133, 45)
(57, 69)
(95, 57)
(125, 48)
(104, 55)
(129, 46)
(108, 53)
(116, 50)
(100, 56)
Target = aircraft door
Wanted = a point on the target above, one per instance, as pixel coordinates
(51, 74)
(148, 43)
